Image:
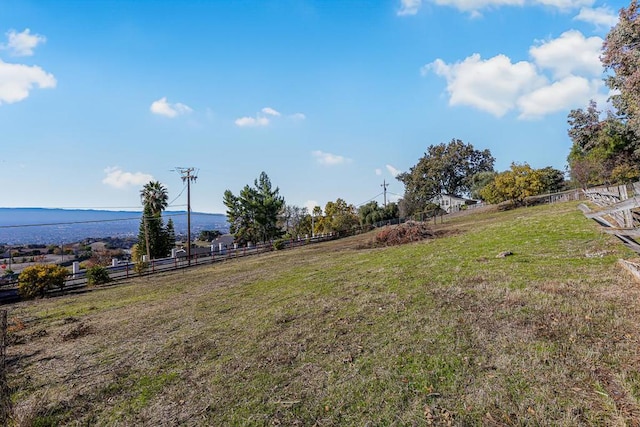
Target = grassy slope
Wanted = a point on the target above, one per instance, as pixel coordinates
(438, 332)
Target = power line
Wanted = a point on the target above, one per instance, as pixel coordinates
(370, 200)
(176, 198)
(93, 221)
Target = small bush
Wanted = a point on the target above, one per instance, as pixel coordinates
(141, 267)
(410, 231)
(279, 244)
(97, 275)
(36, 280)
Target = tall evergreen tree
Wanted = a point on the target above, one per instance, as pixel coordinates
(170, 236)
(253, 214)
(153, 237)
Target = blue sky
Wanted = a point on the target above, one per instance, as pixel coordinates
(330, 98)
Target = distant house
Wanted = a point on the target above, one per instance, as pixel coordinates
(450, 204)
(226, 240)
(195, 251)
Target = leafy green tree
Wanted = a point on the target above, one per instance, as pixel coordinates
(444, 169)
(304, 227)
(621, 56)
(516, 184)
(625, 173)
(154, 238)
(584, 126)
(371, 213)
(97, 275)
(238, 217)
(209, 235)
(37, 279)
(479, 181)
(391, 211)
(253, 214)
(295, 221)
(607, 150)
(317, 220)
(169, 236)
(522, 181)
(161, 238)
(139, 265)
(552, 180)
(339, 216)
(600, 146)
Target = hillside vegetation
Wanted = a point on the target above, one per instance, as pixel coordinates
(438, 332)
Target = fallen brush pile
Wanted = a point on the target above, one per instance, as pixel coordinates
(410, 231)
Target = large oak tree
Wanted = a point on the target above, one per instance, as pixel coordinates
(444, 169)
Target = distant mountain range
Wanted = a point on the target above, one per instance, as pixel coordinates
(20, 226)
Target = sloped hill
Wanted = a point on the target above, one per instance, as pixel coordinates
(437, 332)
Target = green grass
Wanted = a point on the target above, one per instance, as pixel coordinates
(438, 332)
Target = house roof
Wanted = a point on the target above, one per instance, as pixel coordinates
(455, 197)
(225, 239)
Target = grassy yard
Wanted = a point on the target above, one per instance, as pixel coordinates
(439, 332)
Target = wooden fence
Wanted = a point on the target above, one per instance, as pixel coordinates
(618, 213)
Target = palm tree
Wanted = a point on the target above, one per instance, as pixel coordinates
(154, 197)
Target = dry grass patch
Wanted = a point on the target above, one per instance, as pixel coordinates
(336, 334)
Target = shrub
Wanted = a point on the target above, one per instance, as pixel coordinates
(139, 266)
(279, 244)
(97, 275)
(36, 280)
(410, 231)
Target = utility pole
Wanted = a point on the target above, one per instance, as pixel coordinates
(384, 185)
(187, 175)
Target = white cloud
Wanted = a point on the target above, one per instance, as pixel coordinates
(164, 108)
(17, 80)
(264, 117)
(564, 4)
(409, 7)
(270, 112)
(570, 92)
(298, 116)
(564, 73)
(571, 53)
(393, 171)
(491, 85)
(252, 121)
(601, 17)
(474, 6)
(378, 171)
(118, 178)
(328, 159)
(22, 44)
(310, 204)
